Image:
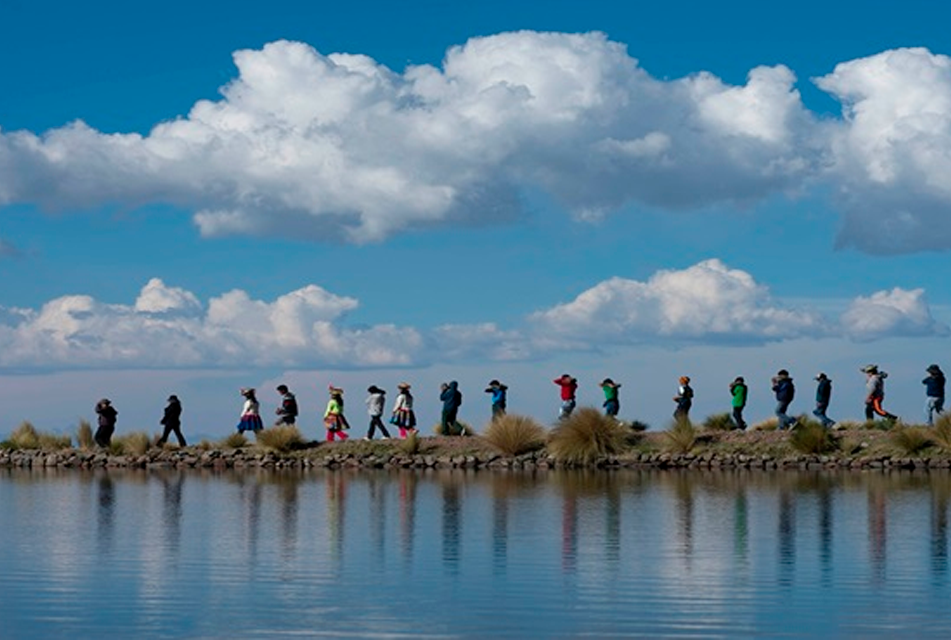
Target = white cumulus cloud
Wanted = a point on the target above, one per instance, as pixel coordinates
(894, 313)
(707, 302)
(170, 327)
(312, 145)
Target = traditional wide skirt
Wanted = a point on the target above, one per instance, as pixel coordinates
(250, 422)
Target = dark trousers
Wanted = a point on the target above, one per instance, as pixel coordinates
(611, 407)
(169, 428)
(449, 422)
(103, 435)
(375, 423)
(738, 418)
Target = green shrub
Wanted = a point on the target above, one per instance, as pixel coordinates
(84, 435)
(585, 436)
(282, 438)
(514, 435)
(910, 440)
(719, 422)
(810, 436)
(681, 437)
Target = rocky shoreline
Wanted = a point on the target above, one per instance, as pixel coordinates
(391, 457)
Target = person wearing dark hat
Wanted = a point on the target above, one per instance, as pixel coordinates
(107, 422)
(287, 412)
(375, 402)
(499, 398)
(785, 392)
(823, 397)
(172, 421)
(611, 402)
(739, 393)
(568, 386)
(875, 393)
(934, 390)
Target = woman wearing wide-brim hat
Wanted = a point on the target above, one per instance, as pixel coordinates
(250, 412)
(403, 416)
(334, 420)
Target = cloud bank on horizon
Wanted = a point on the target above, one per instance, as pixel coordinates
(169, 327)
(339, 146)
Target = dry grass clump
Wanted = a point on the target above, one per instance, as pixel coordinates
(466, 429)
(810, 436)
(910, 440)
(84, 435)
(585, 436)
(942, 432)
(638, 426)
(27, 437)
(136, 443)
(410, 445)
(514, 435)
(283, 438)
(234, 441)
(769, 424)
(680, 437)
(848, 425)
(719, 422)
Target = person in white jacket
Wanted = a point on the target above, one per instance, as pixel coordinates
(375, 402)
(250, 413)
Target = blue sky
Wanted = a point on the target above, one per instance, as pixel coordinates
(197, 198)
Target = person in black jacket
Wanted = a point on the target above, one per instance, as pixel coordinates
(785, 392)
(107, 422)
(451, 401)
(172, 421)
(287, 412)
(823, 396)
(934, 390)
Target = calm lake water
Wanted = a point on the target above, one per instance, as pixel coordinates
(465, 554)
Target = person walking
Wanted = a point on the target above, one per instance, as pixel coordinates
(823, 397)
(451, 401)
(738, 393)
(934, 390)
(569, 386)
(403, 415)
(287, 412)
(334, 420)
(250, 412)
(499, 398)
(875, 393)
(785, 391)
(684, 400)
(107, 422)
(611, 402)
(375, 402)
(172, 419)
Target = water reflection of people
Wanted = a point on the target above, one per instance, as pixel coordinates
(939, 526)
(877, 527)
(336, 484)
(683, 488)
(172, 508)
(106, 514)
(451, 524)
(408, 480)
(787, 532)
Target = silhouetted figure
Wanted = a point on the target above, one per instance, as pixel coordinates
(785, 392)
(823, 397)
(107, 422)
(934, 390)
(172, 421)
(451, 401)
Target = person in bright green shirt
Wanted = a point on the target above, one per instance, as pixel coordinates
(611, 403)
(739, 392)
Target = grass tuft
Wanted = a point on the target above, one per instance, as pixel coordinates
(810, 436)
(467, 429)
(283, 438)
(638, 426)
(769, 424)
(910, 440)
(410, 445)
(84, 435)
(234, 441)
(26, 436)
(514, 435)
(719, 422)
(136, 443)
(585, 436)
(680, 437)
(942, 432)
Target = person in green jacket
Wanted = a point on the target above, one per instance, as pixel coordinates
(739, 391)
(611, 403)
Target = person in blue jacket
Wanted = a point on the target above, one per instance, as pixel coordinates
(499, 397)
(934, 390)
(451, 401)
(823, 396)
(785, 392)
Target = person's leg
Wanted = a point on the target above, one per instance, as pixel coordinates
(738, 418)
(930, 409)
(869, 411)
(178, 435)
